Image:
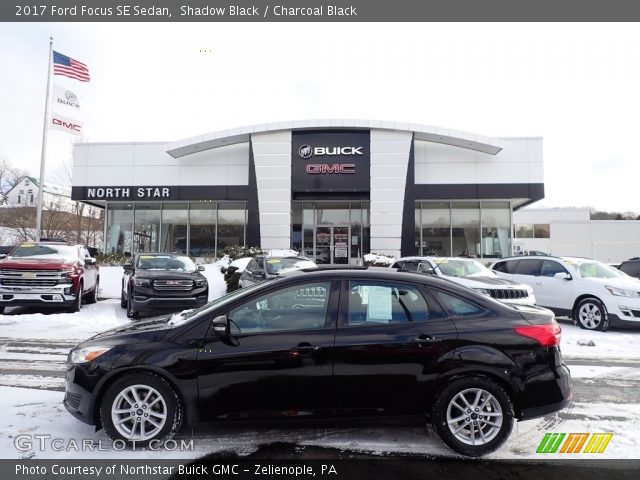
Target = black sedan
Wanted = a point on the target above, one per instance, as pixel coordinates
(350, 342)
(162, 281)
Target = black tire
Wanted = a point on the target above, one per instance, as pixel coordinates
(92, 296)
(493, 402)
(590, 314)
(2, 309)
(76, 306)
(131, 311)
(169, 405)
(123, 300)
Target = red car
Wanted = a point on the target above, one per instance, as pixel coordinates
(48, 274)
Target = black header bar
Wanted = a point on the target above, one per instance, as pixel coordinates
(319, 11)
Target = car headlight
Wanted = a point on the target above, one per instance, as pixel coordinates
(142, 282)
(87, 354)
(622, 292)
(483, 291)
(201, 283)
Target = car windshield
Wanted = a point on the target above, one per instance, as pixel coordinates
(462, 268)
(39, 250)
(278, 265)
(594, 269)
(166, 262)
(189, 315)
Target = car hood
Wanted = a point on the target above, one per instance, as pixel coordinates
(167, 274)
(621, 282)
(152, 326)
(485, 282)
(36, 263)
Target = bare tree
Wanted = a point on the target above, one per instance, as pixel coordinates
(10, 175)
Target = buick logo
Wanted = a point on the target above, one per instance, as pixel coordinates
(305, 151)
(70, 96)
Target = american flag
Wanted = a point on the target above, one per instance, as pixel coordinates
(67, 66)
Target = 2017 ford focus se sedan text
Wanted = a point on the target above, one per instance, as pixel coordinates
(327, 343)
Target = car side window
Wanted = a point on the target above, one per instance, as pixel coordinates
(301, 307)
(380, 303)
(457, 306)
(528, 267)
(550, 268)
(500, 267)
(251, 266)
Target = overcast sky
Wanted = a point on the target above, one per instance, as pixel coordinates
(575, 85)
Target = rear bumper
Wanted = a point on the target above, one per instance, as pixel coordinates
(546, 393)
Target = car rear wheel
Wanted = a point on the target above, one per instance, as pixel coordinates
(591, 315)
(141, 408)
(473, 416)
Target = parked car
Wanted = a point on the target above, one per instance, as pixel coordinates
(592, 293)
(471, 274)
(263, 267)
(327, 343)
(631, 267)
(162, 281)
(49, 274)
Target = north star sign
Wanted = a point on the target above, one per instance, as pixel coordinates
(125, 193)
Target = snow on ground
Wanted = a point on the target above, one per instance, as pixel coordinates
(611, 344)
(378, 259)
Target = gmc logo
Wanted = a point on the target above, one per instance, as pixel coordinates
(335, 168)
(67, 125)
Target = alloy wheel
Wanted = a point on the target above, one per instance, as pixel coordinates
(139, 412)
(590, 315)
(474, 416)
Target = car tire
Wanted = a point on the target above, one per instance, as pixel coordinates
(92, 296)
(155, 405)
(76, 306)
(131, 311)
(590, 314)
(2, 309)
(489, 410)
(123, 300)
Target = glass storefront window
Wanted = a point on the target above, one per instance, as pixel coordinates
(465, 231)
(541, 230)
(232, 218)
(436, 229)
(523, 230)
(496, 222)
(296, 226)
(120, 229)
(356, 231)
(175, 219)
(202, 221)
(146, 233)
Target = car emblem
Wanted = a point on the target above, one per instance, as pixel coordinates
(29, 275)
(173, 282)
(305, 151)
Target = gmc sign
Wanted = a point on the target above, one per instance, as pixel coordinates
(335, 168)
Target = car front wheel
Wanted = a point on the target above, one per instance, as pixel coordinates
(141, 408)
(76, 306)
(131, 311)
(591, 315)
(473, 416)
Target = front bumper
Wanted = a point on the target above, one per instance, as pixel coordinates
(144, 303)
(60, 295)
(77, 400)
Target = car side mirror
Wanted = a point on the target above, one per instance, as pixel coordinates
(259, 273)
(563, 276)
(200, 268)
(90, 261)
(128, 268)
(3, 256)
(221, 325)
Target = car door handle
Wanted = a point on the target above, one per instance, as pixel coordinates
(426, 340)
(305, 349)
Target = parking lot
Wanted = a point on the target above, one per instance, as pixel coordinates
(34, 345)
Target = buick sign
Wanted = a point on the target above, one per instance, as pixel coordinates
(305, 151)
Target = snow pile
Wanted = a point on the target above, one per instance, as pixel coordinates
(575, 342)
(378, 260)
(241, 263)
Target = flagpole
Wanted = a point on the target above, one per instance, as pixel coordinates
(43, 156)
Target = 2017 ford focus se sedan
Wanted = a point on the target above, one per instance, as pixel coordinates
(347, 342)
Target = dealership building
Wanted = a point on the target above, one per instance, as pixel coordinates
(331, 189)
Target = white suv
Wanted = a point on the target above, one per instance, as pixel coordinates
(471, 274)
(592, 293)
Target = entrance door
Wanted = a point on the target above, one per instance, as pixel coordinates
(331, 245)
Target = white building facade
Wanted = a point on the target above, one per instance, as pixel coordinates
(571, 232)
(331, 189)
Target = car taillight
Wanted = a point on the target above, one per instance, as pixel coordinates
(547, 335)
